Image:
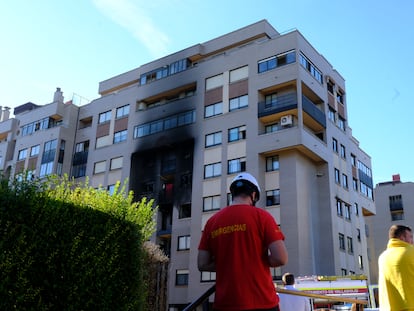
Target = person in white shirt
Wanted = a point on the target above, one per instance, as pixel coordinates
(292, 302)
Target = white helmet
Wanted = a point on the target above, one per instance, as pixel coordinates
(245, 183)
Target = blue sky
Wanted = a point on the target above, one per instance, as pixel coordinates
(75, 44)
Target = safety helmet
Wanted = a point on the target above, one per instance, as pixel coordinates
(245, 183)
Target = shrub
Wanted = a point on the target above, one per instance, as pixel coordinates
(67, 246)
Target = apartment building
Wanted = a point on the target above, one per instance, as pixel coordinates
(394, 202)
(179, 128)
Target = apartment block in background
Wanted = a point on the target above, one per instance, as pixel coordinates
(178, 129)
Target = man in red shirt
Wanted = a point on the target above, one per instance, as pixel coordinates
(241, 242)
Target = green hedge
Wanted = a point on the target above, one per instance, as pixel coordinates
(70, 247)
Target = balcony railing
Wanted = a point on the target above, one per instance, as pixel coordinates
(279, 103)
(310, 108)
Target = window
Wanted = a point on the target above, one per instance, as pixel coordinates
(360, 262)
(353, 160)
(334, 145)
(35, 150)
(116, 163)
(186, 180)
(359, 235)
(365, 189)
(339, 211)
(154, 75)
(183, 242)
(236, 165)
(340, 97)
(99, 167)
(111, 189)
(22, 154)
(207, 276)
(350, 245)
(237, 133)
(184, 211)
(83, 146)
(341, 241)
(212, 170)
(239, 102)
(276, 61)
(347, 212)
(181, 277)
(266, 64)
(343, 151)
(356, 209)
(341, 123)
(330, 87)
(343, 271)
(122, 111)
(273, 197)
(272, 127)
(148, 187)
(120, 136)
(46, 169)
(345, 181)
(213, 139)
(213, 110)
(179, 66)
(214, 82)
(48, 158)
(396, 207)
(272, 163)
(104, 117)
(239, 74)
(331, 115)
(160, 125)
(311, 68)
(364, 169)
(354, 184)
(211, 203)
(337, 176)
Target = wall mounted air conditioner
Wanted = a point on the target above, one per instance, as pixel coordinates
(286, 120)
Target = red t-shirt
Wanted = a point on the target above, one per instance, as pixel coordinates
(238, 237)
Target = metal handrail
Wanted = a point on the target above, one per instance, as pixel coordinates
(200, 300)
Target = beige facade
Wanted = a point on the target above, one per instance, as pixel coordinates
(394, 202)
(179, 128)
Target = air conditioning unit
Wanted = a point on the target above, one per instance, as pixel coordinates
(286, 120)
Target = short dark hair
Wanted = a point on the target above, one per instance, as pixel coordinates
(288, 278)
(243, 187)
(396, 231)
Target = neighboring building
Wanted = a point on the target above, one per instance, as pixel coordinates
(44, 141)
(180, 128)
(8, 132)
(394, 202)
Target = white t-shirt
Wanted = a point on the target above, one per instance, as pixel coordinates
(292, 302)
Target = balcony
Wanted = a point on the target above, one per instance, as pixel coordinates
(313, 111)
(287, 103)
(281, 103)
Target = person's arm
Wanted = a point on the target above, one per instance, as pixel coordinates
(205, 261)
(278, 255)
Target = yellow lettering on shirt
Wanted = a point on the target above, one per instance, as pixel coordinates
(228, 229)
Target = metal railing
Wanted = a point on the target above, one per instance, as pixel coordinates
(200, 300)
(204, 297)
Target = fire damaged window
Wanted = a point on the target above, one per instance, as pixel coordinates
(184, 211)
